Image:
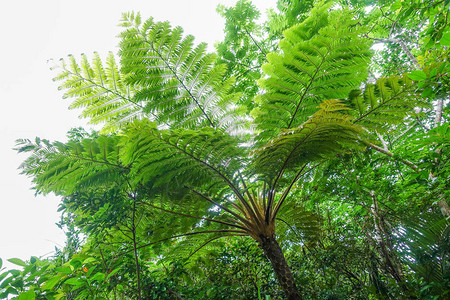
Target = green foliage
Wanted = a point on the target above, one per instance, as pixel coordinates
(181, 157)
(320, 59)
(386, 103)
(200, 151)
(244, 49)
(326, 133)
(291, 12)
(179, 83)
(99, 90)
(75, 165)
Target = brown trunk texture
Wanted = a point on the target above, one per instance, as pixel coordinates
(284, 275)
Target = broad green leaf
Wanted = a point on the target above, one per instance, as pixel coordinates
(74, 281)
(30, 295)
(396, 5)
(417, 75)
(11, 290)
(64, 270)
(99, 277)
(112, 273)
(427, 92)
(17, 261)
(445, 40)
(3, 275)
(76, 263)
(49, 284)
(89, 260)
(1, 263)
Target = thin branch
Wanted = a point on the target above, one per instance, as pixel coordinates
(254, 41)
(272, 190)
(136, 257)
(390, 154)
(243, 220)
(286, 192)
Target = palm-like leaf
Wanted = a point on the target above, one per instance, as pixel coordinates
(327, 132)
(298, 224)
(322, 58)
(63, 168)
(99, 90)
(178, 82)
(182, 157)
(385, 103)
(427, 241)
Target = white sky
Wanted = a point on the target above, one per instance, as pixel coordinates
(31, 32)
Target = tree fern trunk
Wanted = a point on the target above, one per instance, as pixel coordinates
(284, 275)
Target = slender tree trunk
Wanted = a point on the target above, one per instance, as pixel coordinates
(387, 250)
(442, 202)
(136, 258)
(285, 278)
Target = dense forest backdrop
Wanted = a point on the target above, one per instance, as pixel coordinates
(307, 158)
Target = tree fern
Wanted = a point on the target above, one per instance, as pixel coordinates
(322, 58)
(176, 162)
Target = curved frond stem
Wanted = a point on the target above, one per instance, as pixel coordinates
(264, 196)
(225, 178)
(306, 91)
(273, 188)
(212, 240)
(239, 76)
(106, 89)
(243, 220)
(256, 209)
(286, 192)
(244, 185)
(104, 162)
(256, 43)
(372, 110)
(194, 217)
(125, 235)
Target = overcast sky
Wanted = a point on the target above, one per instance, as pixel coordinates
(31, 33)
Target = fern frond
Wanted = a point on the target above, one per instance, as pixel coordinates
(427, 237)
(179, 82)
(296, 223)
(385, 103)
(322, 58)
(76, 165)
(327, 132)
(182, 157)
(99, 91)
